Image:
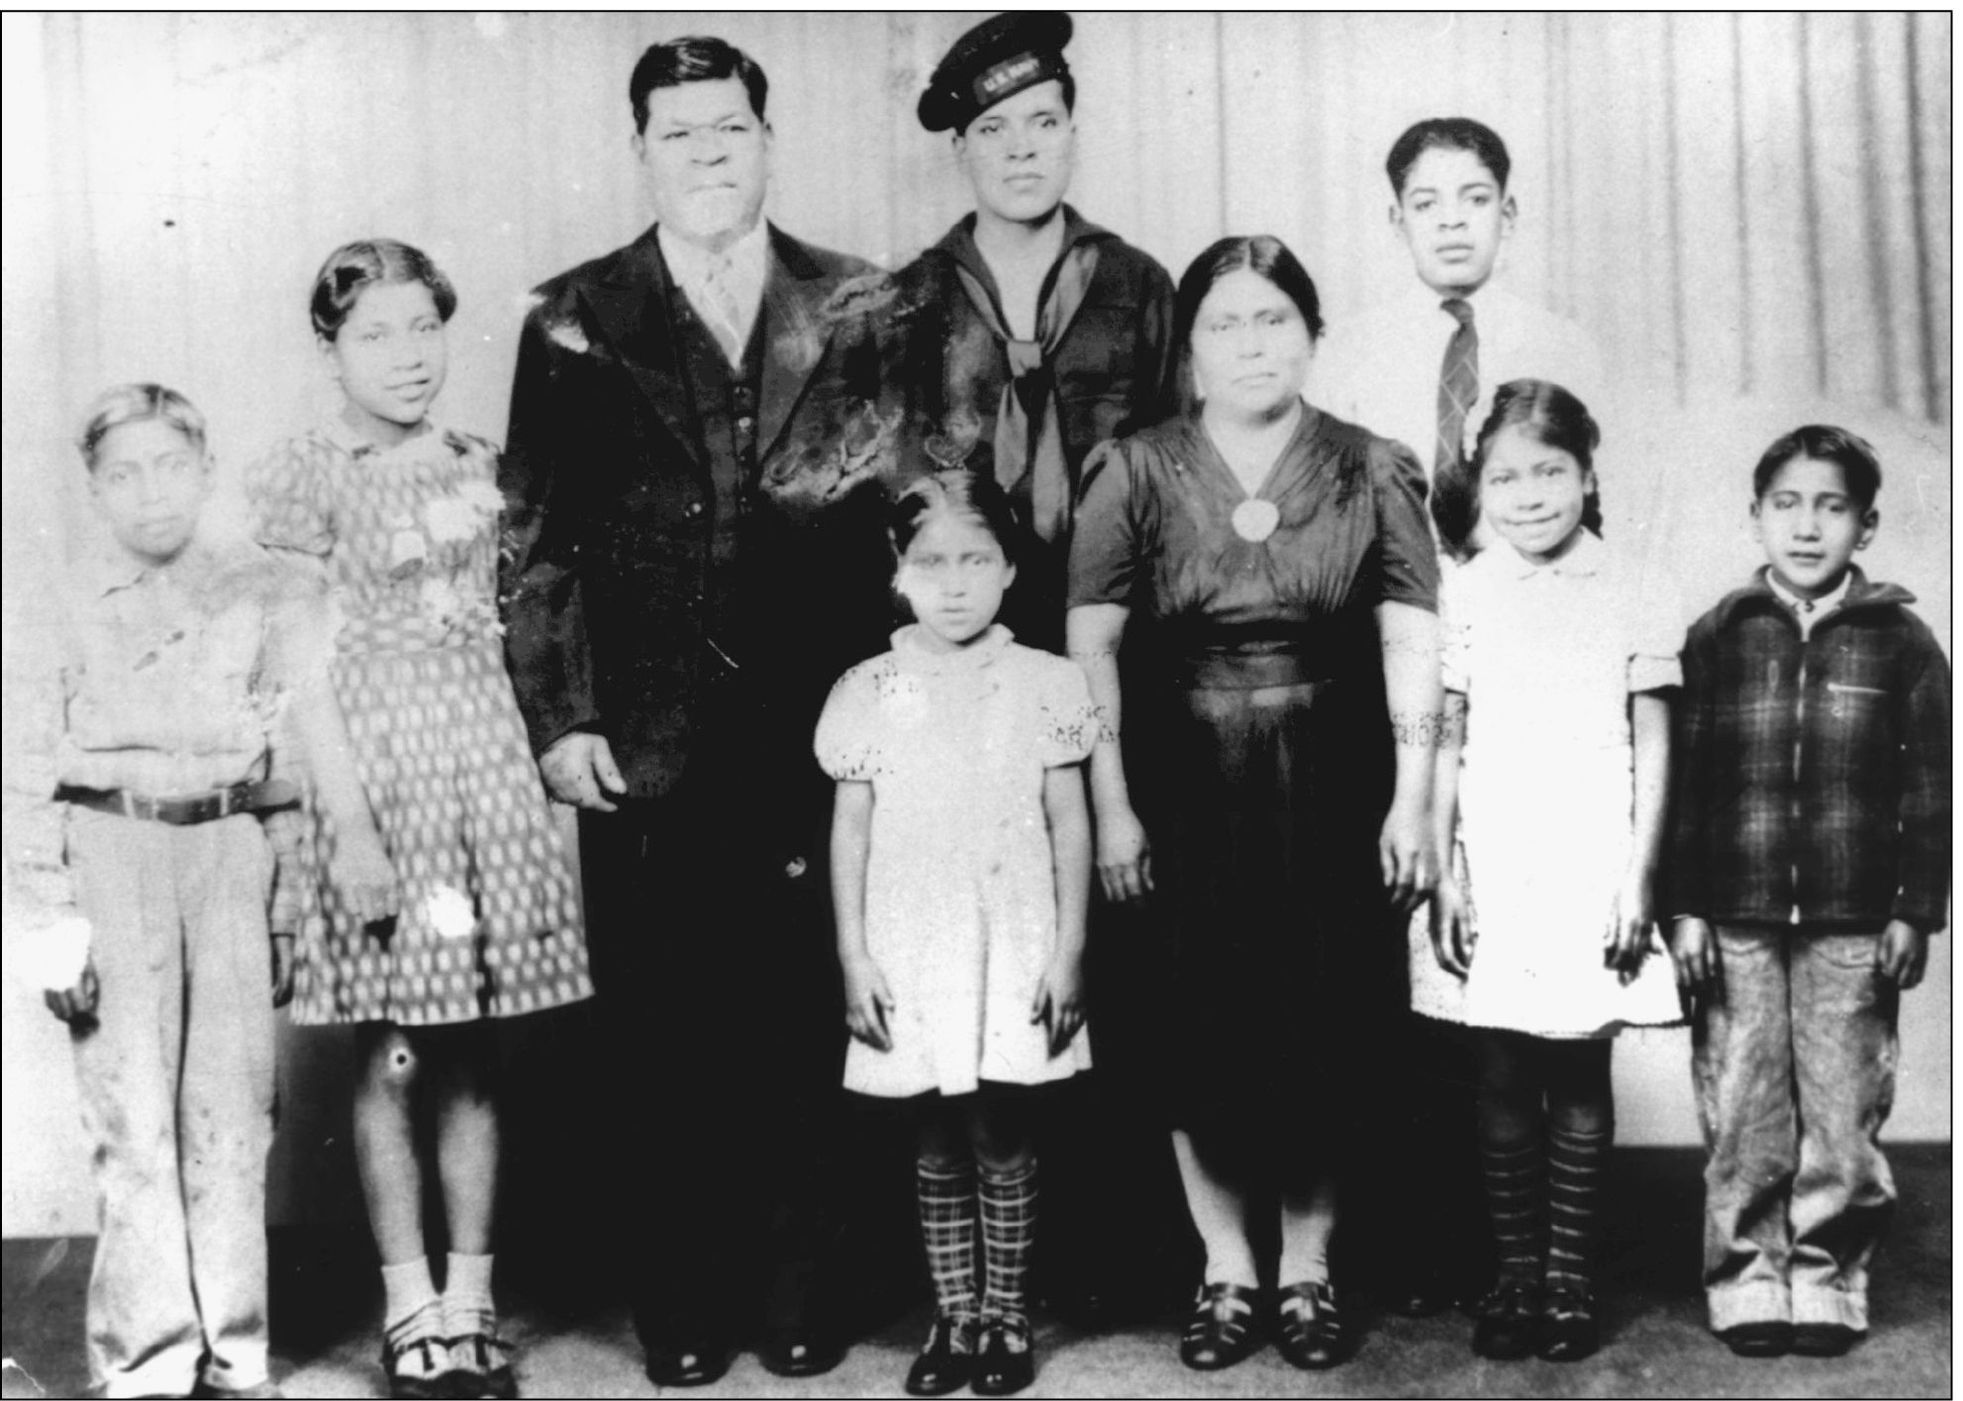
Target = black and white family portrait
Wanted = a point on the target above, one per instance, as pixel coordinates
(924, 703)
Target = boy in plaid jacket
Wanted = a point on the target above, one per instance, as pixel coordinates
(1810, 864)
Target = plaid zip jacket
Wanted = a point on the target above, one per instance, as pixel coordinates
(1811, 780)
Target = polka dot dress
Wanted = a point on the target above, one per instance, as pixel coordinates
(490, 923)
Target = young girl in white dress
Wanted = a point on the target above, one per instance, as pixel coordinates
(1552, 765)
(961, 873)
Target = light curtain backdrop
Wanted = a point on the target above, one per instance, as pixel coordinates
(1750, 212)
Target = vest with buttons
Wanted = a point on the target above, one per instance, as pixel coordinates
(725, 403)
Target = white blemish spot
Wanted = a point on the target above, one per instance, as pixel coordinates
(568, 334)
(450, 914)
(491, 25)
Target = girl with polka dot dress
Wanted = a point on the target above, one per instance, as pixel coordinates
(402, 515)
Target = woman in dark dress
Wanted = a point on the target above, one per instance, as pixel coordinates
(1283, 572)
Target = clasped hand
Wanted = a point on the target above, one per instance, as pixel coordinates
(579, 769)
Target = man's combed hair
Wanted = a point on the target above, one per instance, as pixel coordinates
(693, 59)
(1449, 134)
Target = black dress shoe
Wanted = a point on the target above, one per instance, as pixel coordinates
(689, 1362)
(1006, 1362)
(1310, 1334)
(1569, 1329)
(947, 1361)
(800, 1352)
(1506, 1321)
(1824, 1339)
(1221, 1331)
(1771, 1338)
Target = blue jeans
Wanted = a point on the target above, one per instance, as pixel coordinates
(1795, 1072)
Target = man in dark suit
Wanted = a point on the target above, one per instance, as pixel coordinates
(696, 549)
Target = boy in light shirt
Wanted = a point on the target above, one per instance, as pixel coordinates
(1422, 368)
(141, 720)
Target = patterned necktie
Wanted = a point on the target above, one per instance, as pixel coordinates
(720, 312)
(1458, 387)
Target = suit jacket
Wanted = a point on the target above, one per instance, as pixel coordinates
(610, 567)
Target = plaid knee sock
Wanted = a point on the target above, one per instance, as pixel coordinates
(1513, 1200)
(1008, 1214)
(1575, 1164)
(947, 1227)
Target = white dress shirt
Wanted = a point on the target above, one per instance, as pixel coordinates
(743, 266)
(1381, 371)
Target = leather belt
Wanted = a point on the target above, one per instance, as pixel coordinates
(187, 810)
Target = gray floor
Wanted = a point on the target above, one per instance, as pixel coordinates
(1657, 1346)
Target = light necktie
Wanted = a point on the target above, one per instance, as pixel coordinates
(1458, 387)
(720, 312)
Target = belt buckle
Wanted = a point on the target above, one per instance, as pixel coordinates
(129, 804)
(226, 797)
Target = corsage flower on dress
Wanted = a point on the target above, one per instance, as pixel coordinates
(464, 514)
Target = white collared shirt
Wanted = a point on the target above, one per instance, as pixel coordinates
(748, 264)
(1381, 370)
(1810, 611)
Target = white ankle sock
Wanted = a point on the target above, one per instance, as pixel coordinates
(408, 1289)
(467, 1293)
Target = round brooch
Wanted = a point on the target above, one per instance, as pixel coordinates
(1255, 520)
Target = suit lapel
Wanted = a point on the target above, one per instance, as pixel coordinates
(796, 333)
(630, 305)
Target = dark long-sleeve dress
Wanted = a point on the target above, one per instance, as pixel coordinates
(1258, 745)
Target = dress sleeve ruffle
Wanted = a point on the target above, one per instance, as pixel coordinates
(1656, 632)
(849, 744)
(1650, 671)
(289, 496)
(1068, 723)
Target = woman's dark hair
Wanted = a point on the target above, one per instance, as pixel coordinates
(1261, 253)
(1860, 469)
(137, 403)
(353, 268)
(1545, 412)
(694, 59)
(957, 491)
